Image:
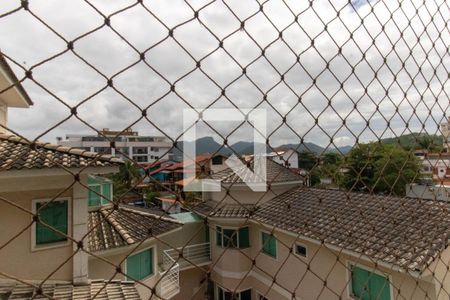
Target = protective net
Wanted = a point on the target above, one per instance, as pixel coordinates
(350, 199)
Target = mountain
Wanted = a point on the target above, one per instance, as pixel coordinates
(411, 140)
(209, 145)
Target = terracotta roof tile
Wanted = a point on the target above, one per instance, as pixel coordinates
(409, 233)
(112, 228)
(17, 153)
(114, 290)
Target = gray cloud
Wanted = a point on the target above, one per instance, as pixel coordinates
(414, 77)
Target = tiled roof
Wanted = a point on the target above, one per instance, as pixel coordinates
(226, 210)
(17, 153)
(111, 228)
(409, 233)
(274, 173)
(100, 289)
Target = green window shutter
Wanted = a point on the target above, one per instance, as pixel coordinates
(140, 266)
(133, 267)
(244, 238)
(54, 214)
(106, 192)
(219, 236)
(230, 238)
(93, 198)
(379, 287)
(269, 244)
(360, 283)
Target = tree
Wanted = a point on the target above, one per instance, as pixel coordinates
(124, 179)
(379, 168)
(307, 160)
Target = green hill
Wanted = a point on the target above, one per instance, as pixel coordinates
(416, 141)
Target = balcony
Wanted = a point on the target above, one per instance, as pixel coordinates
(193, 255)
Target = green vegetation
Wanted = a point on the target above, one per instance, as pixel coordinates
(150, 197)
(124, 179)
(430, 142)
(375, 167)
(379, 168)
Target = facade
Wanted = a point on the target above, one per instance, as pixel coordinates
(13, 97)
(43, 213)
(285, 156)
(127, 144)
(445, 131)
(296, 242)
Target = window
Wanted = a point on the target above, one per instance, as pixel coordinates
(140, 265)
(269, 244)
(103, 150)
(368, 285)
(123, 150)
(225, 295)
(300, 250)
(232, 238)
(154, 149)
(100, 191)
(261, 297)
(217, 160)
(140, 150)
(140, 158)
(54, 214)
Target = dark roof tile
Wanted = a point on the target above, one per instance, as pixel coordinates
(409, 233)
(113, 290)
(17, 153)
(112, 228)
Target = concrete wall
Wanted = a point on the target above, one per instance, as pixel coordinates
(307, 276)
(20, 257)
(17, 257)
(3, 116)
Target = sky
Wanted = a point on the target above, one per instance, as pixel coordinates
(375, 69)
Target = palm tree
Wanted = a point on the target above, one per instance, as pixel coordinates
(127, 175)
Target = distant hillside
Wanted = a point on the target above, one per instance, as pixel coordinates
(209, 145)
(411, 140)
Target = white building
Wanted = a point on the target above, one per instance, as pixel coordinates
(127, 144)
(285, 156)
(445, 131)
(430, 192)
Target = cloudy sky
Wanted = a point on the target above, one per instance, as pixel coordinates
(381, 67)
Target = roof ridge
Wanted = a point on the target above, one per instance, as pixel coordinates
(60, 148)
(148, 214)
(122, 231)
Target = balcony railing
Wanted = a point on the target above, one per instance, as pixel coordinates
(169, 285)
(193, 255)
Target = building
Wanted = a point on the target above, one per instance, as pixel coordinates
(43, 206)
(285, 156)
(174, 174)
(297, 242)
(445, 131)
(127, 144)
(13, 95)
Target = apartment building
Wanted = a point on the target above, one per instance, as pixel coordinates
(127, 144)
